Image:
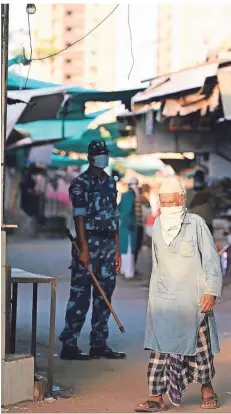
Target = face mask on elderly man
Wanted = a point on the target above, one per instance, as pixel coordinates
(172, 207)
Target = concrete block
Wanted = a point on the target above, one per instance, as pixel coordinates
(18, 384)
(2, 379)
(3, 289)
(3, 336)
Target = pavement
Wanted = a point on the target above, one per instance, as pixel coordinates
(102, 386)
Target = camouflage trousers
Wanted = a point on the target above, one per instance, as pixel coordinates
(102, 261)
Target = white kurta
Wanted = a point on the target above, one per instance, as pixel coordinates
(128, 262)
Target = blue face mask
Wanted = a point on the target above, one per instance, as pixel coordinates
(101, 161)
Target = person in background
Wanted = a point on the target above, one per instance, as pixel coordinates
(142, 209)
(201, 201)
(186, 279)
(27, 186)
(128, 229)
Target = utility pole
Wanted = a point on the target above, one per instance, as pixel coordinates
(4, 77)
(4, 70)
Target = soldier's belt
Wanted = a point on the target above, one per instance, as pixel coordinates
(104, 234)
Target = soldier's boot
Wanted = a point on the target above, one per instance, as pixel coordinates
(70, 353)
(105, 352)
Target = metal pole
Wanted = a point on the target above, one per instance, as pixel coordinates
(4, 69)
(4, 78)
(51, 338)
(8, 309)
(14, 317)
(34, 323)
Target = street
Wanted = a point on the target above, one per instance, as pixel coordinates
(102, 386)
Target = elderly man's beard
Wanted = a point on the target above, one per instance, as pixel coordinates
(171, 219)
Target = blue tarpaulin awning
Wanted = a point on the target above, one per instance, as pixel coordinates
(74, 106)
(17, 82)
(54, 128)
(81, 146)
(81, 96)
(59, 161)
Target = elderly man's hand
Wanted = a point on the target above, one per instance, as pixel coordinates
(207, 303)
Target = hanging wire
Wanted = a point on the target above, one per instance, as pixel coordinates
(31, 51)
(79, 40)
(30, 60)
(131, 42)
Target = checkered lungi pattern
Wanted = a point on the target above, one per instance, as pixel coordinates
(170, 373)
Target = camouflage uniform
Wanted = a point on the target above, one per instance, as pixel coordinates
(96, 201)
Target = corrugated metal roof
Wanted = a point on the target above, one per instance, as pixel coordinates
(185, 80)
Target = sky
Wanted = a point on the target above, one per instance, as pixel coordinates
(18, 21)
(143, 41)
(208, 28)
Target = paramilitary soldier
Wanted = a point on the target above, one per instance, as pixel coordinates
(93, 195)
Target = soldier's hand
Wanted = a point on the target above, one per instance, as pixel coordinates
(84, 256)
(118, 261)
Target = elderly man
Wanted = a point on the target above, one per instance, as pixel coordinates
(186, 279)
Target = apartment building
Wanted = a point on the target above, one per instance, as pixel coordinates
(91, 62)
(188, 34)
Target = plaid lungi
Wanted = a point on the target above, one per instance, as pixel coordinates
(170, 373)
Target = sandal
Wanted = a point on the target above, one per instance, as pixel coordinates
(206, 402)
(150, 406)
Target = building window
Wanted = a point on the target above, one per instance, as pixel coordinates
(67, 60)
(69, 12)
(68, 28)
(68, 77)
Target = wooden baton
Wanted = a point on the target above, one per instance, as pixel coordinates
(96, 282)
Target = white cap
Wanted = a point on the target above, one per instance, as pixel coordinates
(171, 185)
(133, 181)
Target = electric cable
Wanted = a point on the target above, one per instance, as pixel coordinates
(31, 51)
(79, 40)
(131, 42)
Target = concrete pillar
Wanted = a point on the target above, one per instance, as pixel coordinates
(3, 289)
